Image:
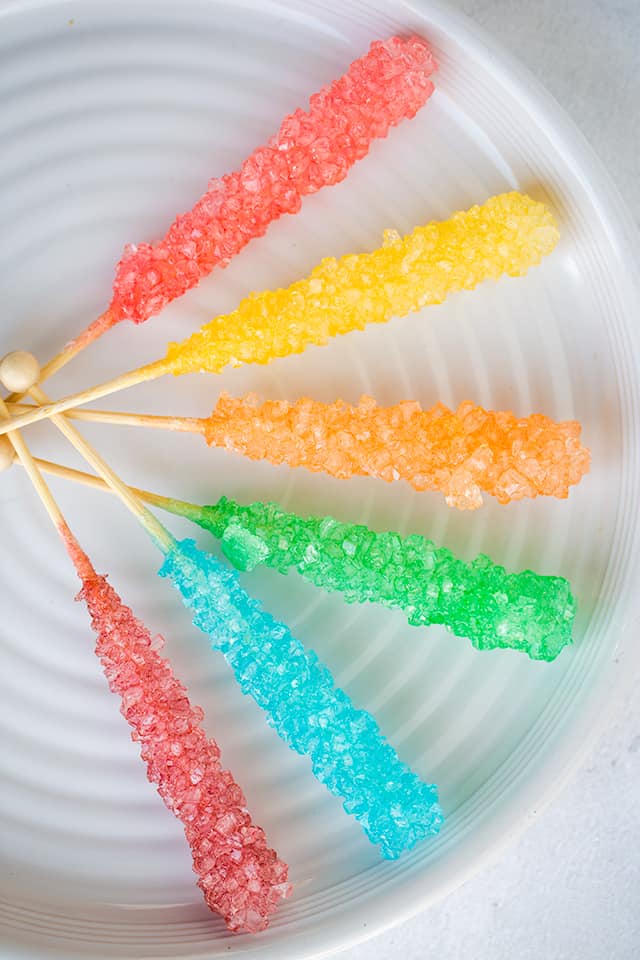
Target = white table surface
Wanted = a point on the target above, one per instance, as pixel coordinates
(569, 889)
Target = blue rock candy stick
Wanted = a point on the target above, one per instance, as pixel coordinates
(314, 717)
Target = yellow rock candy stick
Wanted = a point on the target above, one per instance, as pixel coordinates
(506, 235)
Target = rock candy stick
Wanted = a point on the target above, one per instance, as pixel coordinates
(506, 235)
(312, 149)
(313, 716)
(240, 876)
(476, 599)
(348, 753)
(459, 453)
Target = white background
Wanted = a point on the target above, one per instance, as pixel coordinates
(569, 889)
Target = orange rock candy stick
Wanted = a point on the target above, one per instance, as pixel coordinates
(460, 453)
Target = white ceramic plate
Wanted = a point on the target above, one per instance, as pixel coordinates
(114, 115)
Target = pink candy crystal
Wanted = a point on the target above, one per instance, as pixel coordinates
(240, 876)
(312, 149)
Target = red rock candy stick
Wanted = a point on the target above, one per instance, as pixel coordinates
(312, 149)
(240, 876)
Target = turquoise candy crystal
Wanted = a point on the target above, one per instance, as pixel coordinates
(347, 750)
(477, 599)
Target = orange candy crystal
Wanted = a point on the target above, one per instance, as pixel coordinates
(461, 453)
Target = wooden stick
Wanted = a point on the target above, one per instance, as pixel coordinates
(180, 508)
(184, 424)
(152, 525)
(95, 329)
(149, 372)
(24, 456)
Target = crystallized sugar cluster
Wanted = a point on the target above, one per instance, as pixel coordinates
(506, 235)
(348, 753)
(461, 454)
(477, 599)
(240, 876)
(312, 149)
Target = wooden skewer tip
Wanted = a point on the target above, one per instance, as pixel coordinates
(19, 371)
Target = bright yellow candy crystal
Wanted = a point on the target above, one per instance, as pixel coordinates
(506, 235)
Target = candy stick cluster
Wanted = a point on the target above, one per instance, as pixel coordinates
(347, 750)
(298, 694)
(459, 453)
(507, 235)
(477, 599)
(240, 876)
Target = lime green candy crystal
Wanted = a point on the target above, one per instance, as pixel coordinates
(477, 599)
